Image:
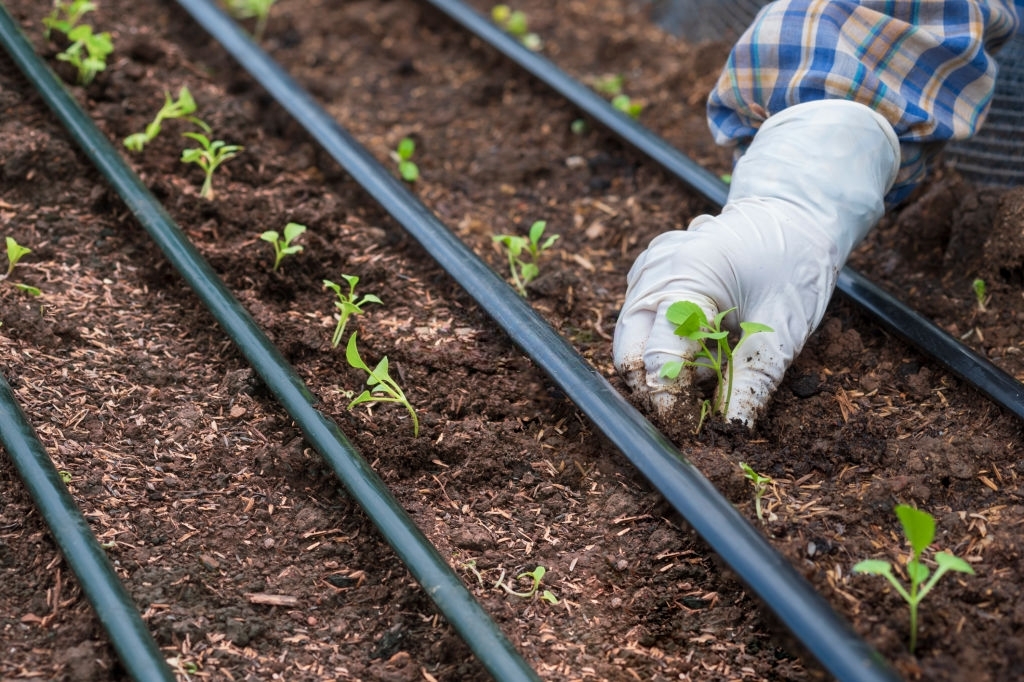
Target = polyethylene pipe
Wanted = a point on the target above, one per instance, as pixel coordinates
(427, 566)
(890, 312)
(118, 614)
(795, 602)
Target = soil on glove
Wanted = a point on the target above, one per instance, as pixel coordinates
(241, 548)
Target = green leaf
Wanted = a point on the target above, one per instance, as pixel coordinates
(293, 230)
(671, 369)
(917, 572)
(352, 354)
(687, 315)
(409, 171)
(270, 236)
(406, 148)
(948, 562)
(536, 230)
(754, 327)
(873, 567)
(918, 526)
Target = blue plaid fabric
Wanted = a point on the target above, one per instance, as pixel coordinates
(925, 65)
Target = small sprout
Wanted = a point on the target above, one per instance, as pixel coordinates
(183, 107)
(578, 126)
(402, 155)
(208, 156)
(248, 9)
(96, 46)
(610, 85)
(283, 245)
(516, 23)
(525, 270)
(347, 304)
(66, 15)
(691, 323)
(383, 389)
(65, 476)
(705, 410)
(471, 565)
(536, 575)
(631, 108)
(760, 484)
(919, 529)
(15, 252)
(980, 293)
(726, 178)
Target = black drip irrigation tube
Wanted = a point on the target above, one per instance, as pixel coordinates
(118, 614)
(891, 313)
(821, 630)
(423, 560)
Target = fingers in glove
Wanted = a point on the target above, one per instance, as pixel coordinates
(758, 366)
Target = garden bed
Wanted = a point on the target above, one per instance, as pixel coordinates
(209, 500)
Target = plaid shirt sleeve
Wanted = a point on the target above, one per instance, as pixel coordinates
(925, 65)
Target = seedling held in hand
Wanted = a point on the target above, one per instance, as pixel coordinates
(760, 484)
(383, 389)
(248, 9)
(282, 244)
(516, 23)
(347, 304)
(87, 52)
(183, 107)
(536, 575)
(919, 529)
(15, 252)
(209, 155)
(691, 323)
(980, 293)
(525, 252)
(402, 155)
(66, 15)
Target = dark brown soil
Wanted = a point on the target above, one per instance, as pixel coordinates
(205, 493)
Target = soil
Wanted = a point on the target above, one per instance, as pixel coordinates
(205, 493)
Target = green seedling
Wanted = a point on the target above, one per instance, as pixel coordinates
(610, 85)
(249, 9)
(402, 155)
(383, 389)
(516, 23)
(919, 529)
(87, 52)
(182, 107)
(524, 253)
(536, 575)
(631, 108)
(578, 126)
(760, 484)
(66, 15)
(15, 252)
(691, 323)
(980, 293)
(347, 304)
(209, 155)
(65, 476)
(283, 244)
(471, 565)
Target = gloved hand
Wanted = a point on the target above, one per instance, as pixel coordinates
(809, 187)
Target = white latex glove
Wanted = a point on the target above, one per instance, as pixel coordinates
(809, 187)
